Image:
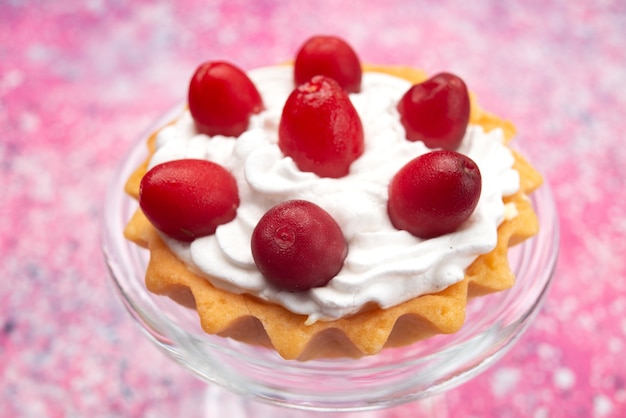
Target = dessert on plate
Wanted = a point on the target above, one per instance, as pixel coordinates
(327, 208)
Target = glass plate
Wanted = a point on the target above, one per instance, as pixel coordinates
(395, 376)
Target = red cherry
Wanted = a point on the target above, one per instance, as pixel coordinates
(332, 57)
(320, 128)
(186, 199)
(297, 246)
(436, 111)
(222, 98)
(434, 194)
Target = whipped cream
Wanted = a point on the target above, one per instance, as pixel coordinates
(384, 266)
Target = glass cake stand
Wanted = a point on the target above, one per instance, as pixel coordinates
(254, 381)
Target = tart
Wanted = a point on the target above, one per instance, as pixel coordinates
(248, 314)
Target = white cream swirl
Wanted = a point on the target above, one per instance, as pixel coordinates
(384, 266)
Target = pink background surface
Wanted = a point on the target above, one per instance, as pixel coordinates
(81, 80)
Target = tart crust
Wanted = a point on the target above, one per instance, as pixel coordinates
(248, 319)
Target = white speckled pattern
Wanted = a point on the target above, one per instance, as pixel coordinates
(81, 80)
